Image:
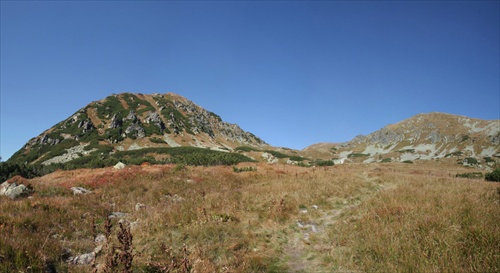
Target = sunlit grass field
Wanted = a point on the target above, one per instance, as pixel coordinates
(390, 217)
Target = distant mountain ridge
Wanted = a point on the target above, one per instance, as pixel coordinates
(128, 121)
(137, 125)
(422, 137)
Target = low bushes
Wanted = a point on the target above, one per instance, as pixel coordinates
(494, 176)
(472, 175)
(244, 169)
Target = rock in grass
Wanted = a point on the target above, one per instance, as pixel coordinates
(119, 166)
(14, 190)
(87, 258)
(139, 206)
(117, 214)
(83, 259)
(79, 190)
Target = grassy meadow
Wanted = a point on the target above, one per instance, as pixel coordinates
(387, 217)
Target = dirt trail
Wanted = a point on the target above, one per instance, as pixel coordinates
(307, 242)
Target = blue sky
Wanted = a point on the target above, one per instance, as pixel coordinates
(293, 73)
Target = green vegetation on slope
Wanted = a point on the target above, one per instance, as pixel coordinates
(274, 153)
(102, 158)
(494, 176)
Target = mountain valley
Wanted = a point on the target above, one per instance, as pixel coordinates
(155, 183)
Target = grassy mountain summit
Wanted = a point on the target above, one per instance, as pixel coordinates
(127, 122)
(429, 136)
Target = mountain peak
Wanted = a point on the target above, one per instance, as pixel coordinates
(128, 121)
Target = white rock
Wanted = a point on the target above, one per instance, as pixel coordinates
(139, 206)
(79, 190)
(119, 166)
(13, 190)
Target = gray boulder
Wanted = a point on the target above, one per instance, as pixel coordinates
(13, 190)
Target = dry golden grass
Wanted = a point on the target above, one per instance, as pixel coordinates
(377, 217)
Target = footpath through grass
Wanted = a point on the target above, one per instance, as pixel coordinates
(371, 218)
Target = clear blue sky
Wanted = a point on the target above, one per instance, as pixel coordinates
(293, 73)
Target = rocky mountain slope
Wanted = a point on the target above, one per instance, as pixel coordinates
(126, 122)
(433, 136)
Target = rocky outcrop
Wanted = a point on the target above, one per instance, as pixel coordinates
(201, 120)
(86, 125)
(71, 153)
(136, 130)
(46, 140)
(269, 158)
(14, 190)
(385, 137)
(131, 116)
(115, 122)
(155, 119)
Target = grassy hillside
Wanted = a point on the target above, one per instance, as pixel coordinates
(275, 218)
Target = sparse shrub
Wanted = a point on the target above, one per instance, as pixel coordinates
(406, 151)
(489, 159)
(470, 161)
(157, 140)
(494, 176)
(408, 161)
(320, 162)
(245, 149)
(386, 160)
(472, 175)
(357, 155)
(297, 158)
(244, 169)
(179, 167)
(458, 153)
(277, 154)
(302, 164)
